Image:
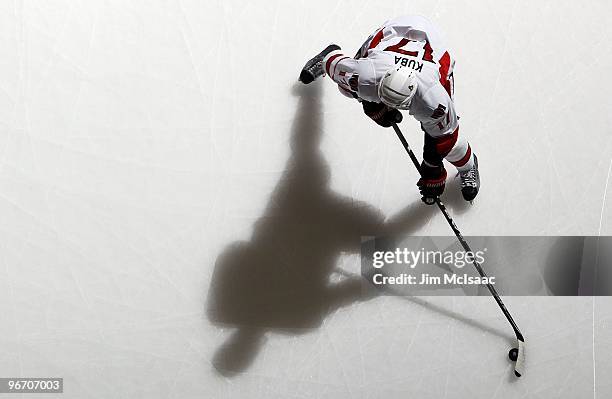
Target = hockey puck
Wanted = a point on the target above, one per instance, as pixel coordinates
(513, 354)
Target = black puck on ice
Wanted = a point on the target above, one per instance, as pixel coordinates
(513, 354)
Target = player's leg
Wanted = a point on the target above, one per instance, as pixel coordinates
(459, 151)
(456, 150)
(466, 162)
(314, 67)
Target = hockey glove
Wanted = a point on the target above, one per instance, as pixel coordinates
(381, 114)
(432, 181)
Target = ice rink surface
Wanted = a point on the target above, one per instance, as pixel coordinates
(157, 158)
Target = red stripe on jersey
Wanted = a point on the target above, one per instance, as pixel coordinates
(444, 144)
(465, 158)
(376, 39)
(334, 71)
(329, 61)
(444, 67)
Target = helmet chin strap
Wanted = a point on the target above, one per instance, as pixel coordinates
(404, 106)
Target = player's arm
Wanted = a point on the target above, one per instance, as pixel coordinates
(439, 120)
(440, 123)
(355, 79)
(342, 69)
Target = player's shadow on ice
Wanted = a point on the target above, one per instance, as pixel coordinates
(279, 280)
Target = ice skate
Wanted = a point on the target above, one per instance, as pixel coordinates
(314, 67)
(470, 182)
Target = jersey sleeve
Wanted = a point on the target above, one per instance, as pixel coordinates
(355, 78)
(437, 115)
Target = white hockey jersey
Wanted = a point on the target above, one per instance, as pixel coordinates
(410, 41)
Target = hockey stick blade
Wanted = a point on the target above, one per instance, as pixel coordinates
(519, 366)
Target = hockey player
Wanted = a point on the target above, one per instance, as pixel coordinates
(404, 65)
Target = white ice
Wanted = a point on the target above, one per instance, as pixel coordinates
(147, 147)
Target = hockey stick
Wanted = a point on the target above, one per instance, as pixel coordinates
(516, 354)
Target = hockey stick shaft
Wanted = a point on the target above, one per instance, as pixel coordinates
(462, 240)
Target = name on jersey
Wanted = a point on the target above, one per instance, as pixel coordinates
(410, 63)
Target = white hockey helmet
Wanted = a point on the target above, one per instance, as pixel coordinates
(397, 88)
